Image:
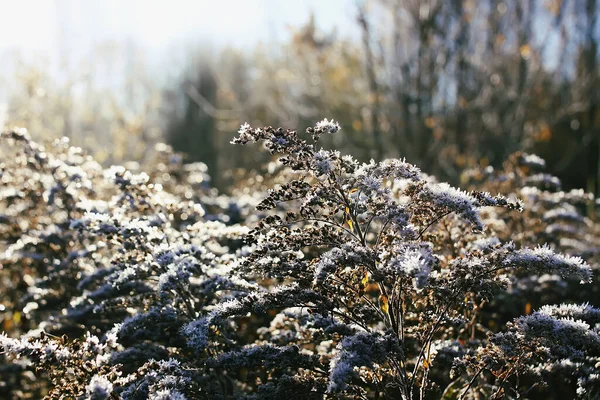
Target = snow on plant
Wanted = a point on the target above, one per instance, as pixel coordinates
(350, 279)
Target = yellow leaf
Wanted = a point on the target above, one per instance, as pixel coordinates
(528, 308)
(425, 363)
(354, 190)
(350, 224)
(384, 304)
(365, 280)
(17, 317)
(347, 210)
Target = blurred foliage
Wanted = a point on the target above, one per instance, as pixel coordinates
(446, 84)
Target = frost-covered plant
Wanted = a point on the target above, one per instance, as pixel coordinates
(555, 343)
(79, 369)
(551, 217)
(362, 280)
(104, 252)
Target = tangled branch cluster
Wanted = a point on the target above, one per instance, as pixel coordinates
(351, 280)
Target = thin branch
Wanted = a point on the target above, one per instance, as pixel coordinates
(471, 382)
(431, 223)
(325, 222)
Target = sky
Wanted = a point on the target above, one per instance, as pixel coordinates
(45, 33)
(64, 36)
(42, 25)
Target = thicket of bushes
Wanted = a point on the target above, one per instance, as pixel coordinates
(344, 280)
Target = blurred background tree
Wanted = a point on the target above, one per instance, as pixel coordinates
(193, 132)
(446, 84)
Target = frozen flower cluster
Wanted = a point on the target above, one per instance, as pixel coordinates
(327, 126)
(99, 388)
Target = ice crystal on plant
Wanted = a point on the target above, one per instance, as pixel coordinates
(575, 311)
(196, 333)
(543, 258)
(532, 161)
(445, 196)
(564, 213)
(323, 162)
(326, 126)
(99, 388)
(167, 394)
(415, 261)
(361, 349)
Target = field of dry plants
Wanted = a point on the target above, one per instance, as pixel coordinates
(322, 277)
